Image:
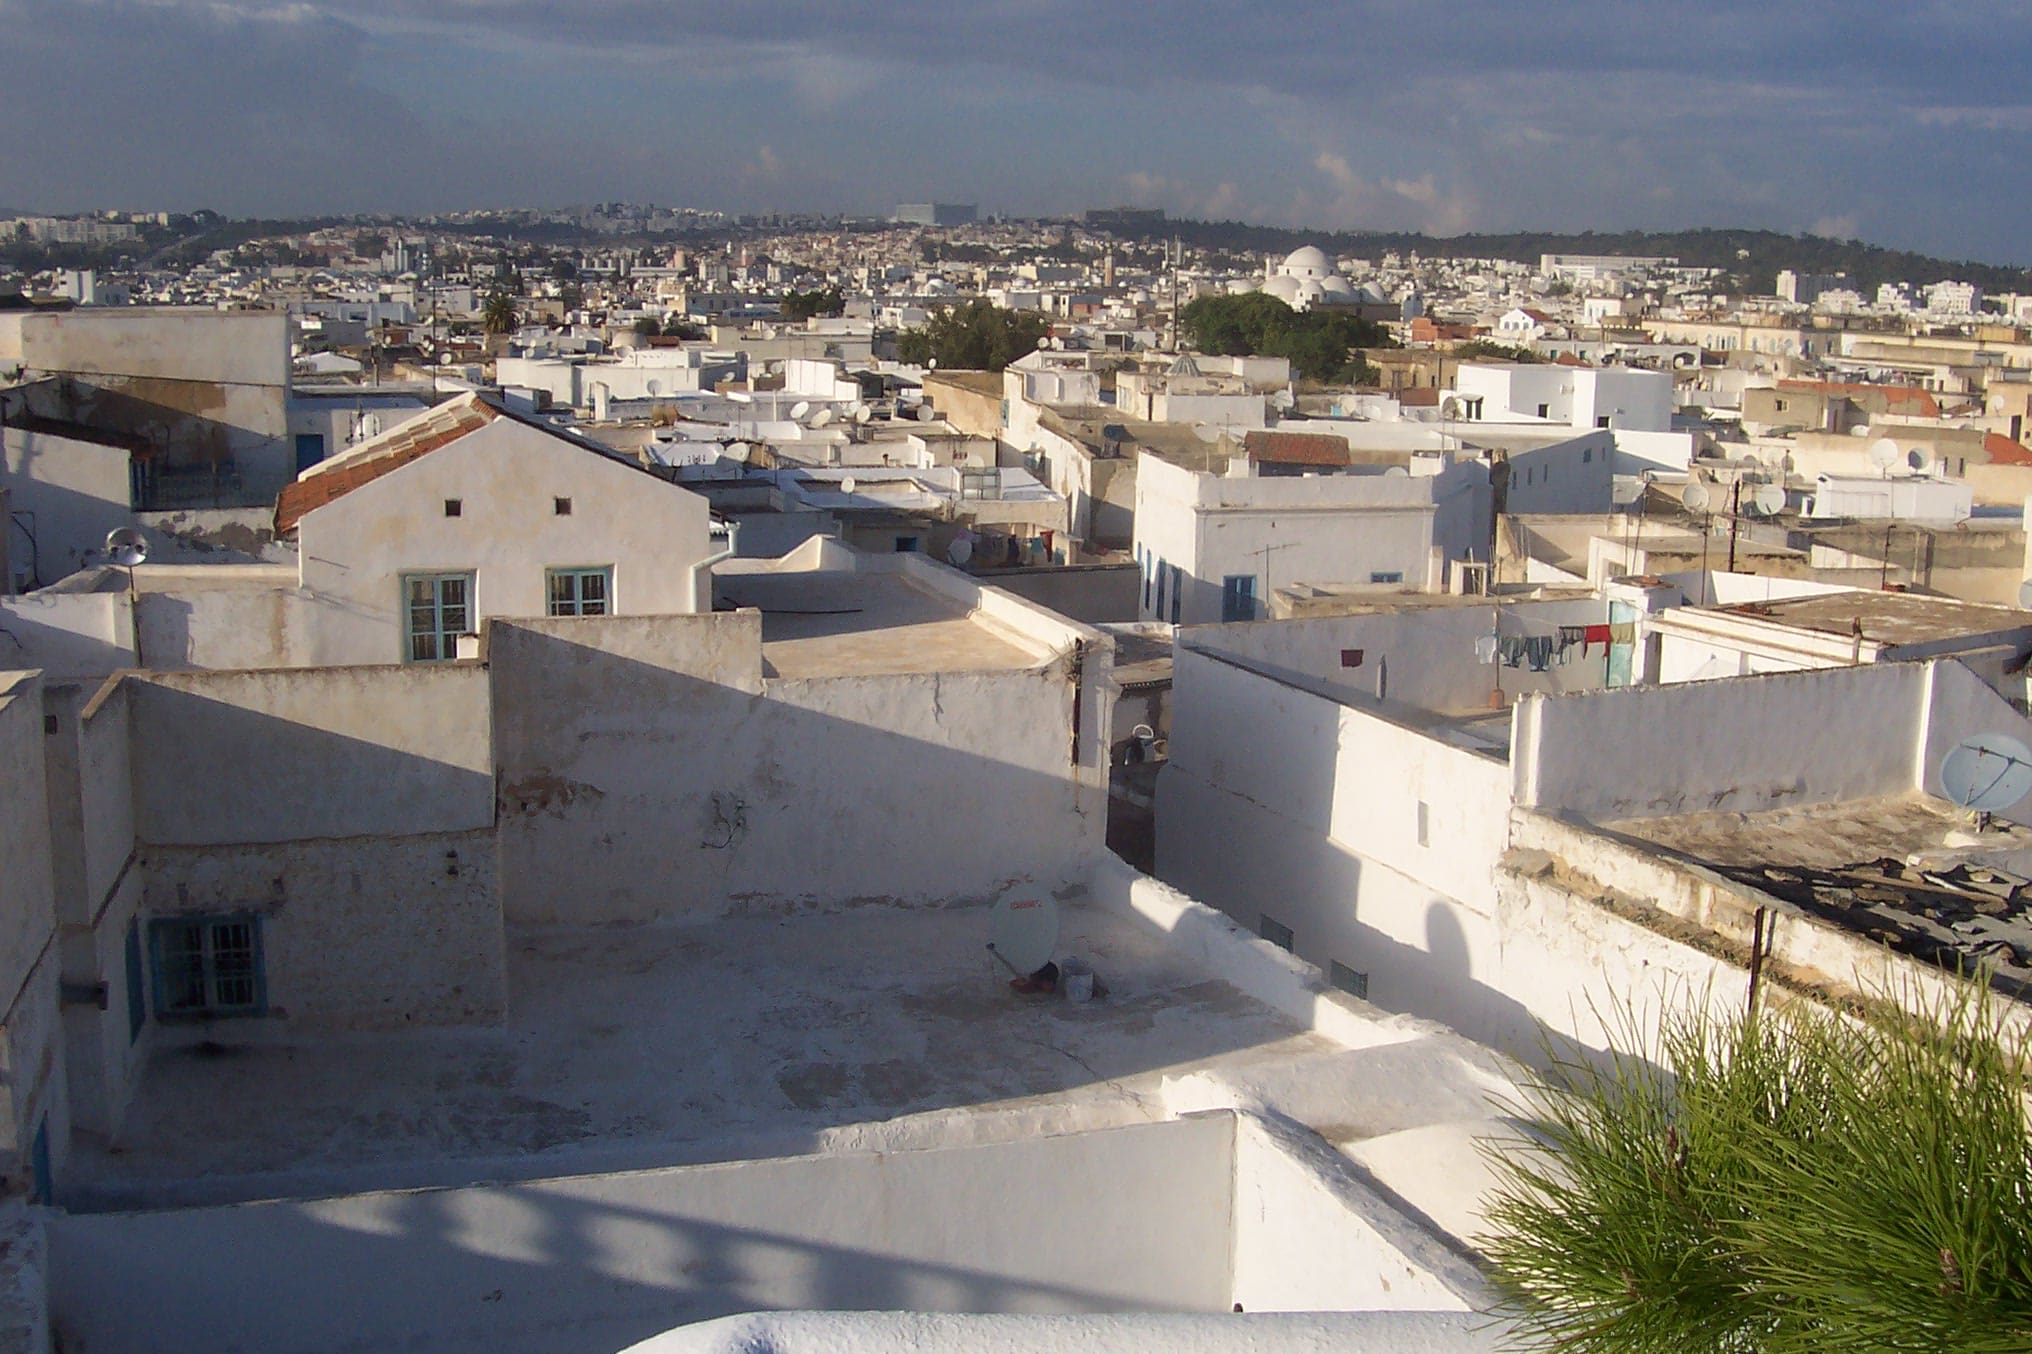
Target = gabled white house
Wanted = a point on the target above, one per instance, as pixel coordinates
(466, 512)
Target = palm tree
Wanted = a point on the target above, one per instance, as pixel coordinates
(499, 315)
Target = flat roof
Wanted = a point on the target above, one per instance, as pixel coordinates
(708, 1041)
(1882, 867)
(1886, 617)
(828, 623)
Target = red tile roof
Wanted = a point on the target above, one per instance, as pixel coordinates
(2003, 451)
(377, 457)
(1320, 449)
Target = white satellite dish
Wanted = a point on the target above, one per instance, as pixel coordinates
(740, 397)
(1769, 500)
(1450, 409)
(1986, 772)
(126, 547)
(1883, 453)
(1282, 401)
(961, 550)
(925, 413)
(847, 484)
(1023, 931)
(821, 418)
(862, 413)
(739, 451)
(1206, 432)
(800, 409)
(1696, 497)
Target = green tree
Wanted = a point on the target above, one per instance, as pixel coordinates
(1489, 351)
(802, 305)
(571, 296)
(500, 315)
(973, 336)
(1320, 343)
(1778, 1183)
(369, 244)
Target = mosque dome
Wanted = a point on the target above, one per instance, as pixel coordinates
(1241, 286)
(1284, 287)
(1308, 261)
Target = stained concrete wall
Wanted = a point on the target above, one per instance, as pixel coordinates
(364, 933)
(1758, 743)
(1126, 1219)
(206, 387)
(351, 809)
(646, 770)
(286, 755)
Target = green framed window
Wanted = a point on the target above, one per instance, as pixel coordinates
(208, 966)
(439, 609)
(580, 592)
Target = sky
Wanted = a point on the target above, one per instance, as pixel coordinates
(1902, 123)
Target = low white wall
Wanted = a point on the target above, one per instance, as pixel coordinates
(67, 634)
(1309, 1238)
(1125, 1219)
(1746, 745)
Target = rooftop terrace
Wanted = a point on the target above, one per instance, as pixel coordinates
(628, 1047)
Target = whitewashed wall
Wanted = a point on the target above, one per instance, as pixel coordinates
(76, 490)
(1762, 743)
(646, 770)
(68, 634)
(31, 1040)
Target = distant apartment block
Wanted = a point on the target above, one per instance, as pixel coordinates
(937, 213)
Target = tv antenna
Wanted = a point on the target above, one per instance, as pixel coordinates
(1986, 773)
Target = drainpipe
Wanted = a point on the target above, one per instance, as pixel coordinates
(702, 572)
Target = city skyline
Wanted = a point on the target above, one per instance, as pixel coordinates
(1326, 117)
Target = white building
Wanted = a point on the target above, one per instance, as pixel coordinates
(1215, 534)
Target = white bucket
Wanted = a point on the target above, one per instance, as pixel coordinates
(1078, 980)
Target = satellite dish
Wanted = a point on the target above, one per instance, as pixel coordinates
(1396, 472)
(862, 413)
(1023, 931)
(1282, 401)
(1883, 453)
(1044, 342)
(925, 413)
(1768, 500)
(961, 550)
(800, 409)
(1450, 409)
(1206, 432)
(126, 547)
(1916, 459)
(847, 485)
(740, 397)
(739, 451)
(1696, 497)
(821, 418)
(1987, 772)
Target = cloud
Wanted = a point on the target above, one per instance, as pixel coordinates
(1481, 114)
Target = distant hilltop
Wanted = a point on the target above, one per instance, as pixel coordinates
(1755, 256)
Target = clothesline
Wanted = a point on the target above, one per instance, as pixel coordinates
(1546, 643)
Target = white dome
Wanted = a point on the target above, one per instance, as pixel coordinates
(1336, 285)
(1241, 286)
(1310, 291)
(1284, 287)
(1308, 261)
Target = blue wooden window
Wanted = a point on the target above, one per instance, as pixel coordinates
(1238, 597)
(440, 609)
(1177, 589)
(1274, 931)
(208, 966)
(137, 982)
(580, 592)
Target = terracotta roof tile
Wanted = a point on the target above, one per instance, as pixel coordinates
(1296, 448)
(1897, 399)
(371, 460)
(2003, 451)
